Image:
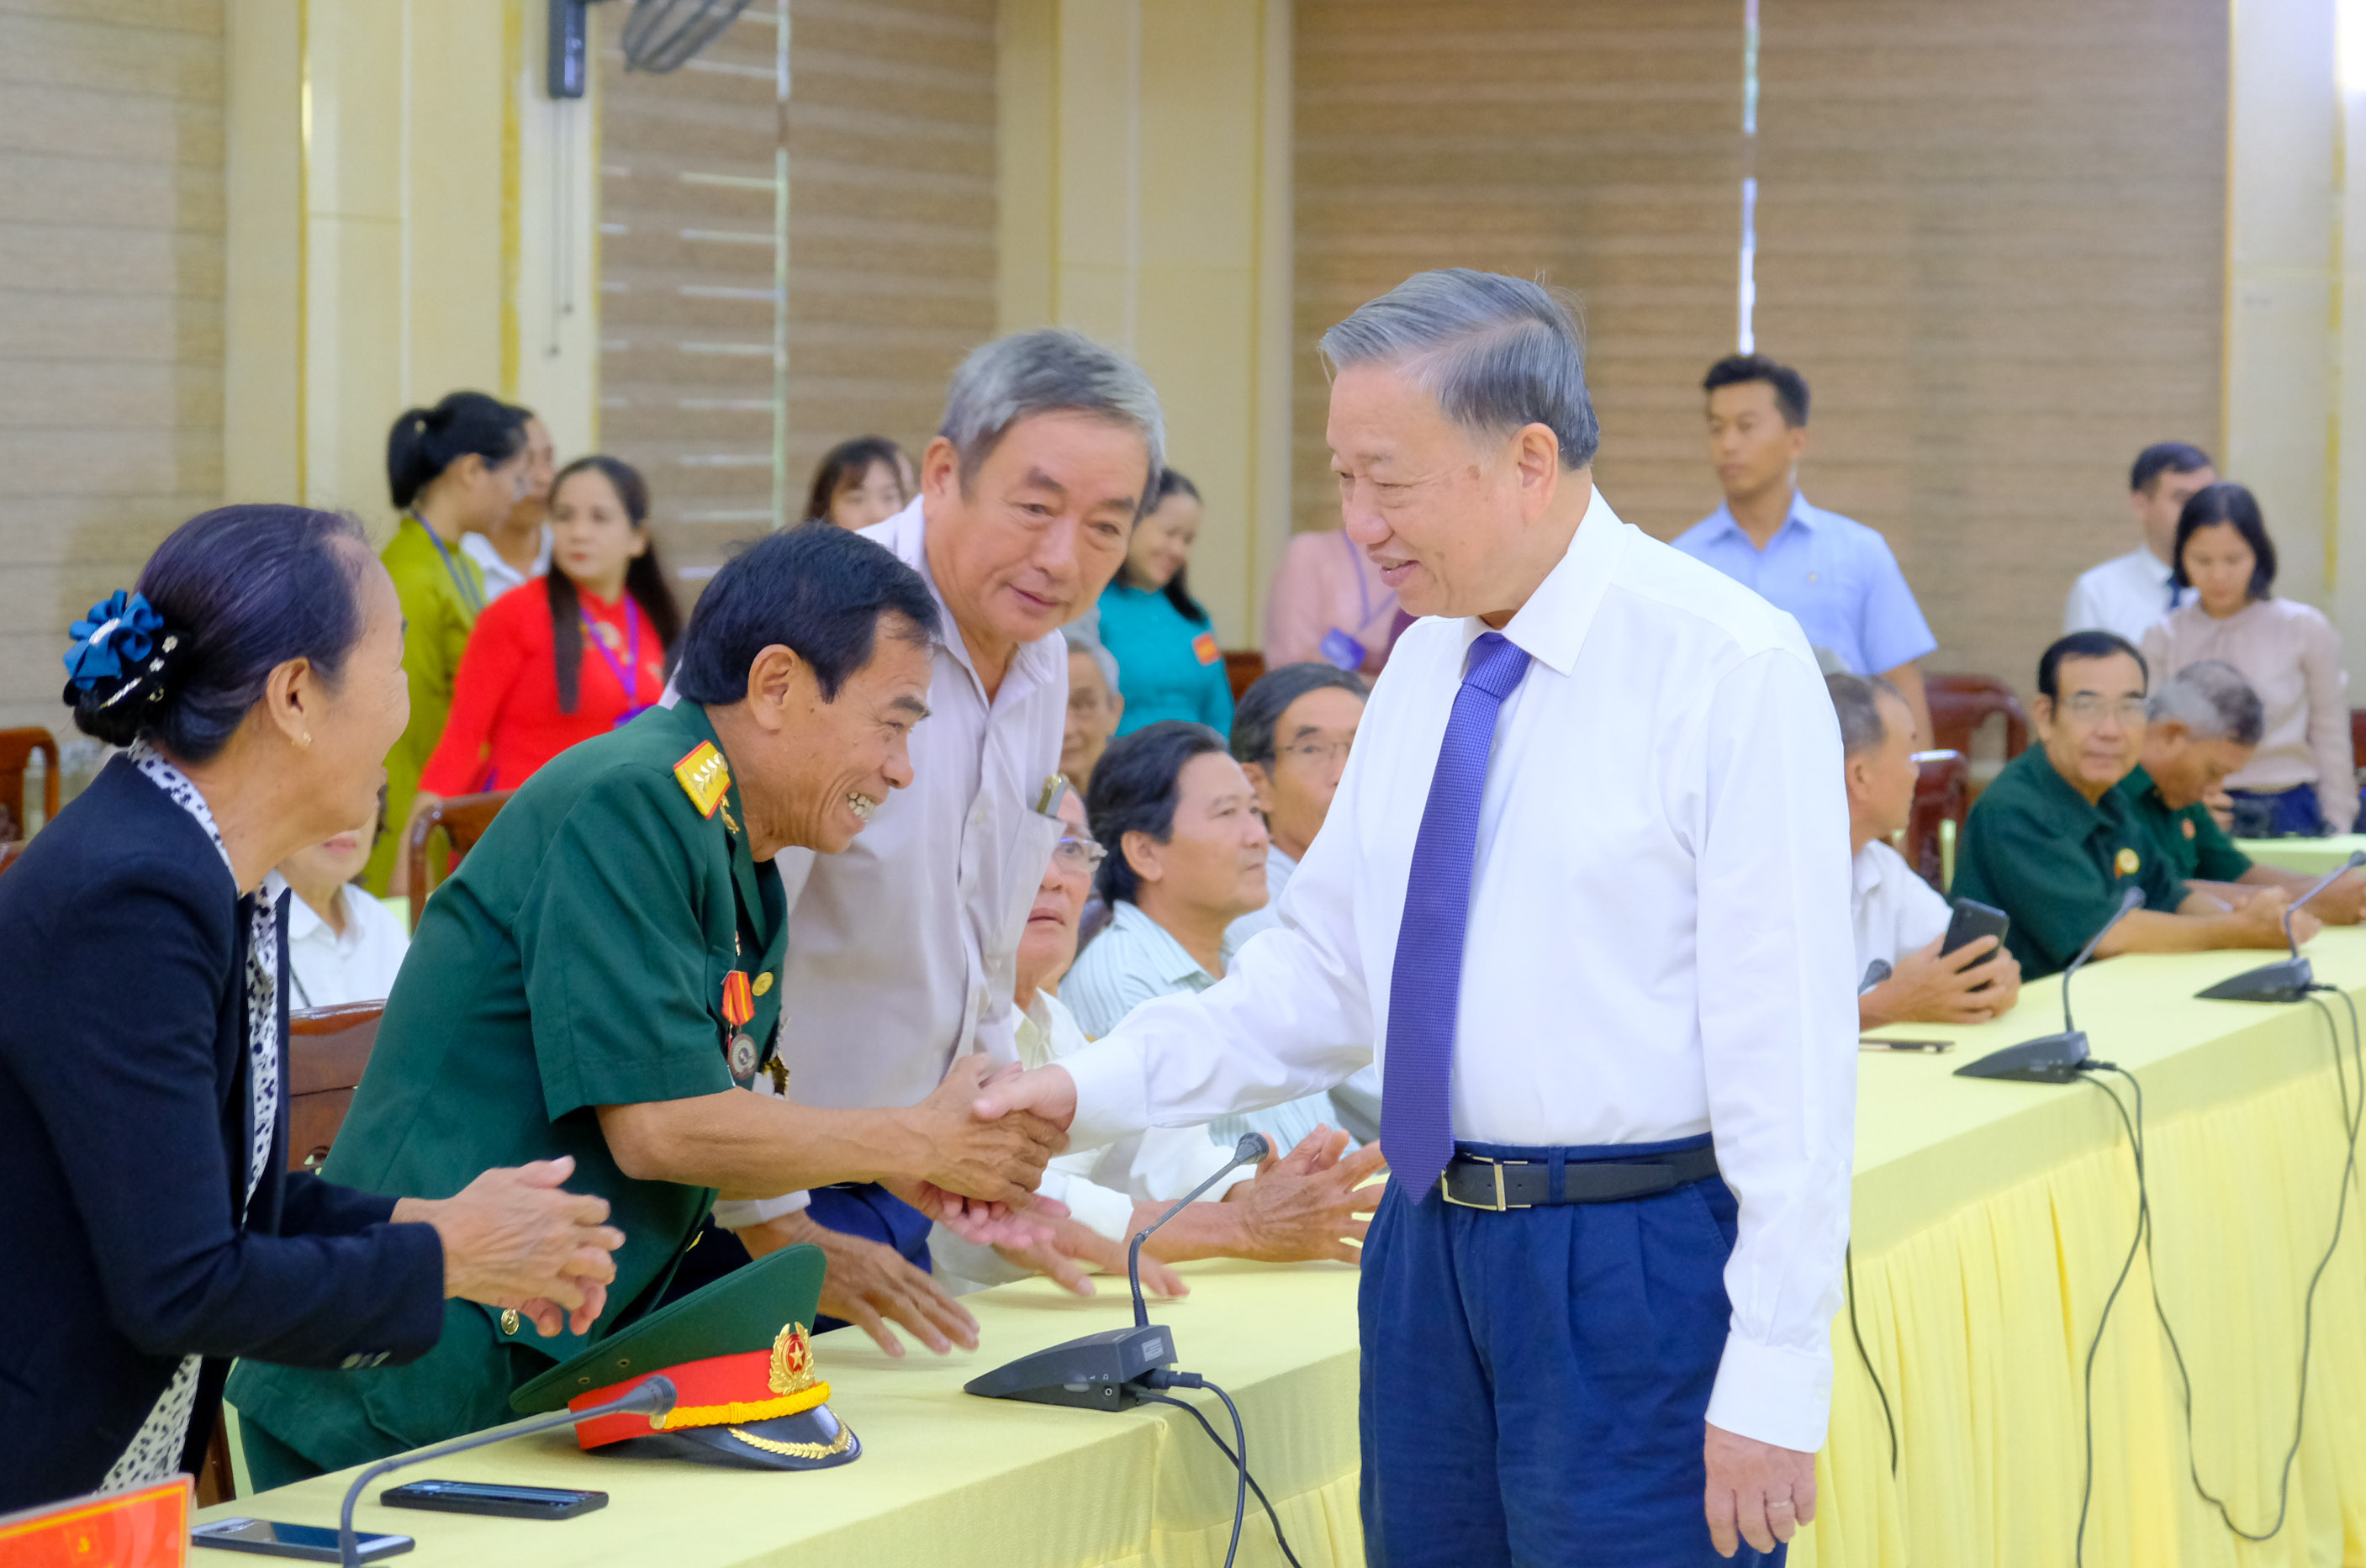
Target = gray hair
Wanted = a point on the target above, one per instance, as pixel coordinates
(2213, 701)
(1080, 643)
(1497, 353)
(1049, 370)
(1857, 699)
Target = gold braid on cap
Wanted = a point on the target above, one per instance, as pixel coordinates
(799, 1450)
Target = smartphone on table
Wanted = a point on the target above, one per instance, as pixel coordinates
(489, 1497)
(308, 1543)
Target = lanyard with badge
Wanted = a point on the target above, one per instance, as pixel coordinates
(468, 594)
(629, 672)
(1339, 646)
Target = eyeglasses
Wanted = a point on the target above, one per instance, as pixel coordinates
(2088, 708)
(1078, 855)
(1318, 753)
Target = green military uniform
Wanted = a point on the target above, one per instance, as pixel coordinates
(580, 956)
(442, 591)
(2188, 841)
(2036, 849)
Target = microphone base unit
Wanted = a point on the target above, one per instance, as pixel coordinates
(2049, 1058)
(2286, 980)
(1099, 1371)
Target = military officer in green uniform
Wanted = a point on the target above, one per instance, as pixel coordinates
(601, 977)
(2054, 845)
(2204, 722)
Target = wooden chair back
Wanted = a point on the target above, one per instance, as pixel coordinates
(1941, 795)
(1961, 704)
(2357, 736)
(327, 1050)
(462, 819)
(17, 750)
(1243, 668)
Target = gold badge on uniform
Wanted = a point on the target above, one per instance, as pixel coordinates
(2127, 863)
(743, 1057)
(763, 982)
(703, 777)
(2189, 826)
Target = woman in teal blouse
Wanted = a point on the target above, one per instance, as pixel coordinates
(1170, 665)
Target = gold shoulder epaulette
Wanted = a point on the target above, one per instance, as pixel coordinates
(703, 776)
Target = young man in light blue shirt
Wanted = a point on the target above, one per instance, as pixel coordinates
(1834, 575)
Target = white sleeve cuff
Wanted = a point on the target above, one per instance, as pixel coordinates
(737, 1213)
(1101, 1210)
(1112, 1094)
(1773, 1394)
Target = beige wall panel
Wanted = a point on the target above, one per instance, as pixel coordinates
(891, 246)
(1595, 145)
(1993, 241)
(111, 276)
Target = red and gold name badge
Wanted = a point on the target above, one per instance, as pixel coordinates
(703, 777)
(146, 1528)
(1204, 645)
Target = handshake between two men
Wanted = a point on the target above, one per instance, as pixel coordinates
(984, 1157)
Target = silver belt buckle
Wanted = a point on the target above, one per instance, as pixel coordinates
(1446, 1189)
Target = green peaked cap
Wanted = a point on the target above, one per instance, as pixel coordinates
(745, 1310)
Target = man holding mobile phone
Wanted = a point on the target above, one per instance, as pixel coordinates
(1899, 918)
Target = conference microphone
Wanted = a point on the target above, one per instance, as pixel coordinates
(1104, 1371)
(657, 1396)
(2052, 1058)
(2287, 980)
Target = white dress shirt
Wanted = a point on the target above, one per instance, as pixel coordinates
(330, 968)
(1659, 937)
(2124, 594)
(1893, 911)
(1100, 1186)
(903, 949)
(500, 575)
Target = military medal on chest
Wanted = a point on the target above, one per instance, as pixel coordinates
(739, 1007)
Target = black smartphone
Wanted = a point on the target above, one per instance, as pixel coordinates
(1936, 1047)
(486, 1497)
(1972, 921)
(310, 1543)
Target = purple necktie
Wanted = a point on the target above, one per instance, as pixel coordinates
(1416, 1121)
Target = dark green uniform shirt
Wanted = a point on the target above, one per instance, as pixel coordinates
(2188, 841)
(578, 958)
(2034, 848)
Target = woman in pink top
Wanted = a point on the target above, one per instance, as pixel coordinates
(2302, 772)
(1328, 602)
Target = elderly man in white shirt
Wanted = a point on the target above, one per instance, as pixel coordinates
(902, 950)
(2127, 593)
(1612, 1003)
(1898, 919)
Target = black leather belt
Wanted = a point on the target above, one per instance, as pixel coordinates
(1474, 1181)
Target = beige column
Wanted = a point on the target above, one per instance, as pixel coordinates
(1144, 154)
(407, 215)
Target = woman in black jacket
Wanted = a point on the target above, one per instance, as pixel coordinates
(150, 1232)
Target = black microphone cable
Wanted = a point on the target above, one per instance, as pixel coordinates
(2353, 1116)
(1159, 1377)
(1848, 1278)
(1226, 1450)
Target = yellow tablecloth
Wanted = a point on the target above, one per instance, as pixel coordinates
(1990, 1221)
(2307, 856)
(947, 1480)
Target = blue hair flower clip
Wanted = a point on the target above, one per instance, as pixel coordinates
(121, 629)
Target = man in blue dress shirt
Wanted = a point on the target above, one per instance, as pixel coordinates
(1613, 1008)
(1835, 575)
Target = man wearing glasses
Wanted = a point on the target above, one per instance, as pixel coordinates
(2052, 842)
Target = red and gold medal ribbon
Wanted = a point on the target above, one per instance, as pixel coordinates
(738, 1000)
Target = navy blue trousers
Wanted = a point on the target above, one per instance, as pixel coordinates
(1535, 1382)
(2292, 813)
